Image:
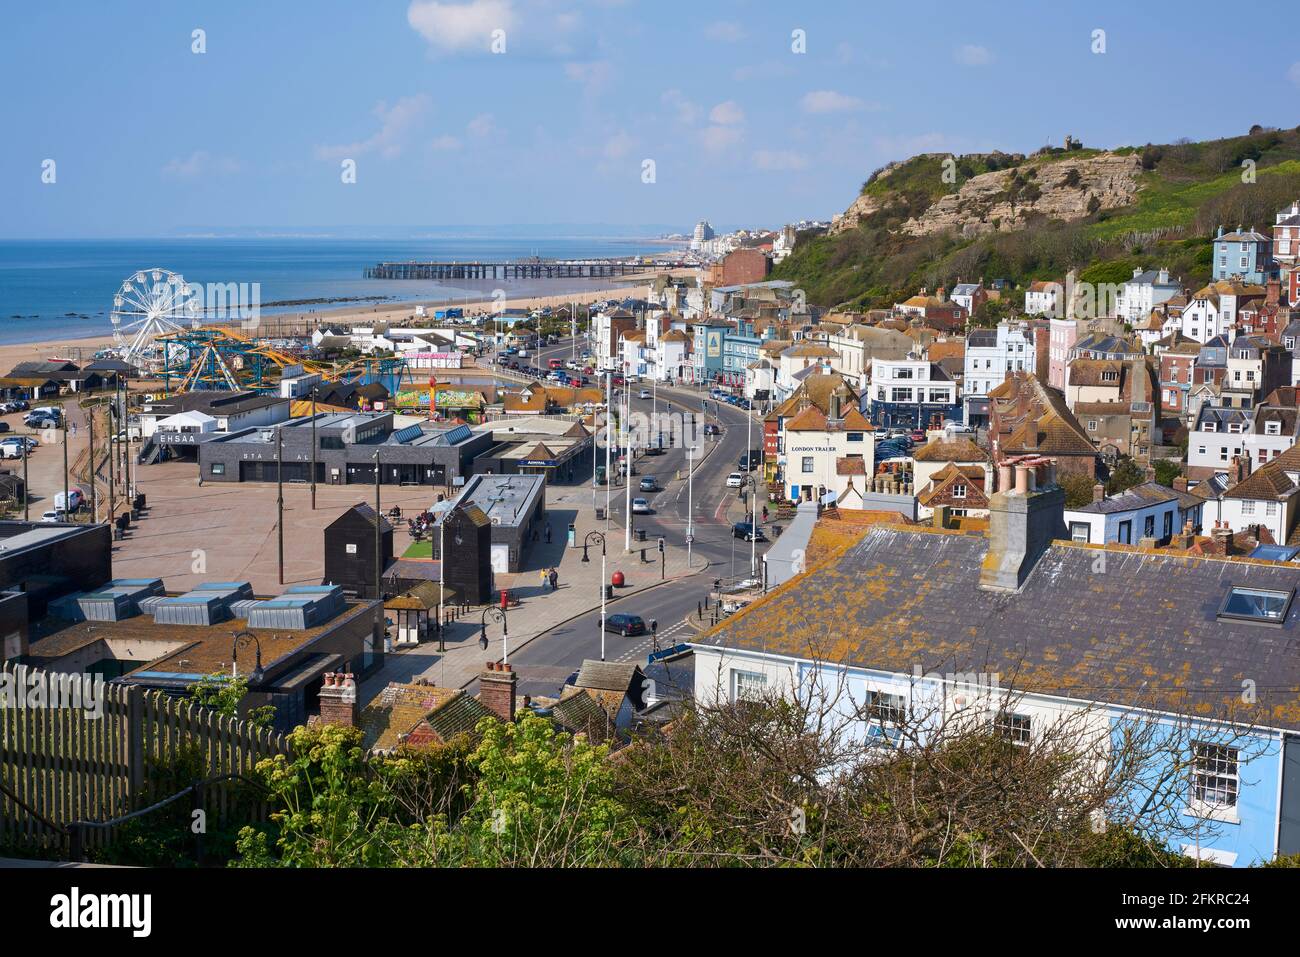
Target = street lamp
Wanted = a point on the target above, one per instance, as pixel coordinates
(243, 639)
(496, 614)
(599, 539)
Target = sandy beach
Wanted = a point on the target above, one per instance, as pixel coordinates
(81, 350)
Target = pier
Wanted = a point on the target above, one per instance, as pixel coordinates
(522, 269)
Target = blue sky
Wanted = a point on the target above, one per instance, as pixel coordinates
(152, 139)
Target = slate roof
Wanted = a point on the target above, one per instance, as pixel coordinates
(401, 708)
(1145, 634)
(958, 450)
(593, 713)
(1138, 497)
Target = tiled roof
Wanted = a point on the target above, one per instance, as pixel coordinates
(1143, 635)
(958, 450)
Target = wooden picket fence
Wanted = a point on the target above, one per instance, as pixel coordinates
(103, 754)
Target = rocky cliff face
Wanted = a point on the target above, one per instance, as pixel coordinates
(1063, 188)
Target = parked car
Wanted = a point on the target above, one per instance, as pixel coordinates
(641, 507)
(917, 435)
(649, 484)
(735, 480)
(36, 420)
(54, 515)
(4, 426)
(747, 532)
(625, 625)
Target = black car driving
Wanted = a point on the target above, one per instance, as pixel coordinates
(625, 625)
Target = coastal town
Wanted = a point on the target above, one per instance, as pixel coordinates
(462, 441)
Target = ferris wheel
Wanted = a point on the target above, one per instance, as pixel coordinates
(151, 303)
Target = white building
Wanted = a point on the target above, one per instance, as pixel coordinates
(992, 355)
(1218, 437)
(821, 454)
(1149, 510)
(1286, 235)
(1146, 290)
(1044, 299)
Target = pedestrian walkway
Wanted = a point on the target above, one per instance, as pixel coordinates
(538, 610)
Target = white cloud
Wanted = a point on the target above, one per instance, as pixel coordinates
(780, 160)
(394, 122)
(904, 147)
(829, 101)
(445, 143)
(727, 113)
(1293, 74)
(482, 125)
(618, 145)
(456, 27)
(971, 55)
(768, 69)
(725, 31)
(201, 163)
(715, 139)
(593, 76)
(688, 113)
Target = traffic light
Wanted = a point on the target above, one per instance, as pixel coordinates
(661, 543)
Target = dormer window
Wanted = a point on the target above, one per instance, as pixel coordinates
(1272, 428)
(1211, 426)
(1109, 376)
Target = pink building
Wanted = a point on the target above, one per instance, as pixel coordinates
(1062, 335)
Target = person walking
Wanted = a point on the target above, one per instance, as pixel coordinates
(546, 579)
(555, 580)
(548, 534)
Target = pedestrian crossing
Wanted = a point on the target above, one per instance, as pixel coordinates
(666, 638)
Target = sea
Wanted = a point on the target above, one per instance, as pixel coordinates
(64, 289)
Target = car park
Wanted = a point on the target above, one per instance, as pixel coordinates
(625, 625)
(641, 507)
(735, 480)
(649, 484)
(747, 532)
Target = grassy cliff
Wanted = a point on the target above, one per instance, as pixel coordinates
(1183, 192)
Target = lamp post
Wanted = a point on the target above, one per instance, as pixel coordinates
(690, 502)
(752, 483)
(599, 539)
(313, 447)
(243, 639)
(279, 497)
(496, 614)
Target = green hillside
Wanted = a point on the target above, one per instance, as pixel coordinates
(1187, 190)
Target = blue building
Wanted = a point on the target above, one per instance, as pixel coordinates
(1026, 633)
(741, 347)
(1247, 254)
(708, 349)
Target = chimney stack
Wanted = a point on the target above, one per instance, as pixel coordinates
(497, 684)
(1222, 535)
(1021, 527)
(1098, 492)
(338, 699)
(1180, 484)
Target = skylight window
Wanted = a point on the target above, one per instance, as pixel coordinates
(1256, 604)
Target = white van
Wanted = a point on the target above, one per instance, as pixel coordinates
(75, 500)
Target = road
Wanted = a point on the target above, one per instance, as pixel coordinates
(548, 660)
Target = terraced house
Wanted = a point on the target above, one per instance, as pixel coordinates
(1026, 632)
